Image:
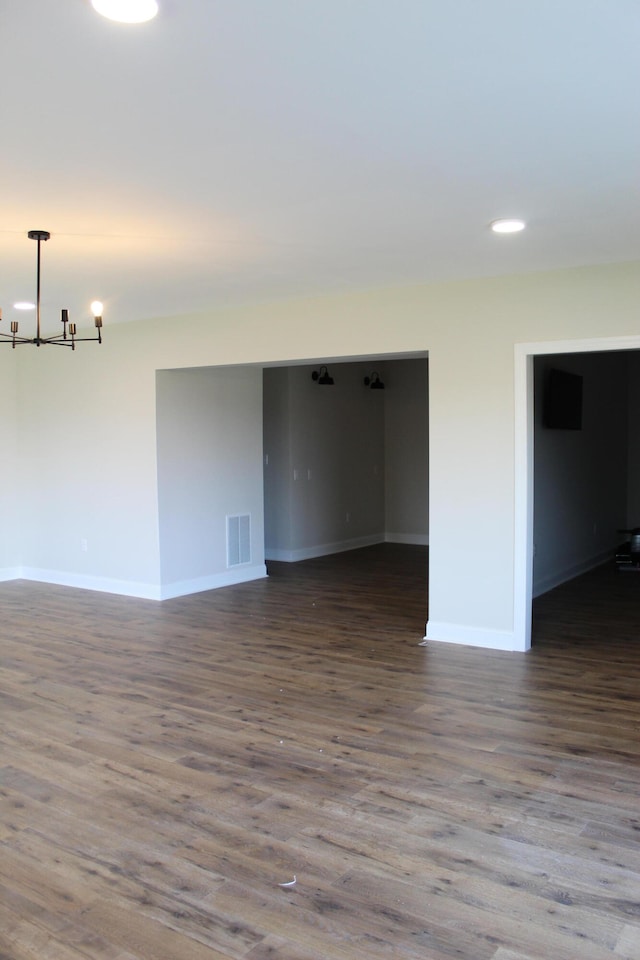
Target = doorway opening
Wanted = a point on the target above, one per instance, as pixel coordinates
(568, 513)
(345, 465)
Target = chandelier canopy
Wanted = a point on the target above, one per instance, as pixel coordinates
(68, 336)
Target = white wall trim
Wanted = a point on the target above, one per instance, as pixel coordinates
(590, 345)
(238, 574)
(323, 549)
(471, 636)
(419, 539)
(523, 465)
(143, 591)
(523, 498)
(561, 576)
(126, 588)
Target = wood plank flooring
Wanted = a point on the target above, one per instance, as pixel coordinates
(164, 768)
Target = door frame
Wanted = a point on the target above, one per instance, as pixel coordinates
(524, 464)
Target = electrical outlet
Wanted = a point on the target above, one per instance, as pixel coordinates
(84, 546)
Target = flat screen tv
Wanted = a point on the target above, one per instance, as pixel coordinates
(562, 406)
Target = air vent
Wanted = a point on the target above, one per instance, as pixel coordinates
(238, 540)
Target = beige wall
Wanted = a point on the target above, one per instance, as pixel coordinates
(95, 477)
(12, 481)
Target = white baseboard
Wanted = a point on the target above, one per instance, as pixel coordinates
(128, 588)
(544, 584)
(341, 546)
(417, 539)
(471, 636)
(125, 588)
(323, 549)
(227, 579)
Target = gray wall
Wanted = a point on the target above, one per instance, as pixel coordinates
(209, 442)
(407, 451)
(344, 465)
(633, 439)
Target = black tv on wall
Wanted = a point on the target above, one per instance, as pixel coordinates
(562, 402)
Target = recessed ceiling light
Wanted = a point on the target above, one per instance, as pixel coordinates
(126, 11)
(24, 305)
(507, 226)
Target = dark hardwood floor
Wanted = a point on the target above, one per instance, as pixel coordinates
(165, 768)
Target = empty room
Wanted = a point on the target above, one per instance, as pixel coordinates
(318, 635)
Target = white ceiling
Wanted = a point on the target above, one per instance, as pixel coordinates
(237, 150)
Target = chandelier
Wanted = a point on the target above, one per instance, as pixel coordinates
(68, 336)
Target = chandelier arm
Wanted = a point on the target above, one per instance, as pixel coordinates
(14, 338)
(54, 341)
(60, 341)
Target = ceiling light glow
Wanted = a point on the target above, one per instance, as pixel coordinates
(24, 305)
(126, 11)
(507, 226)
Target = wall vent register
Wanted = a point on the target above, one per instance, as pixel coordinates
(238, 539)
